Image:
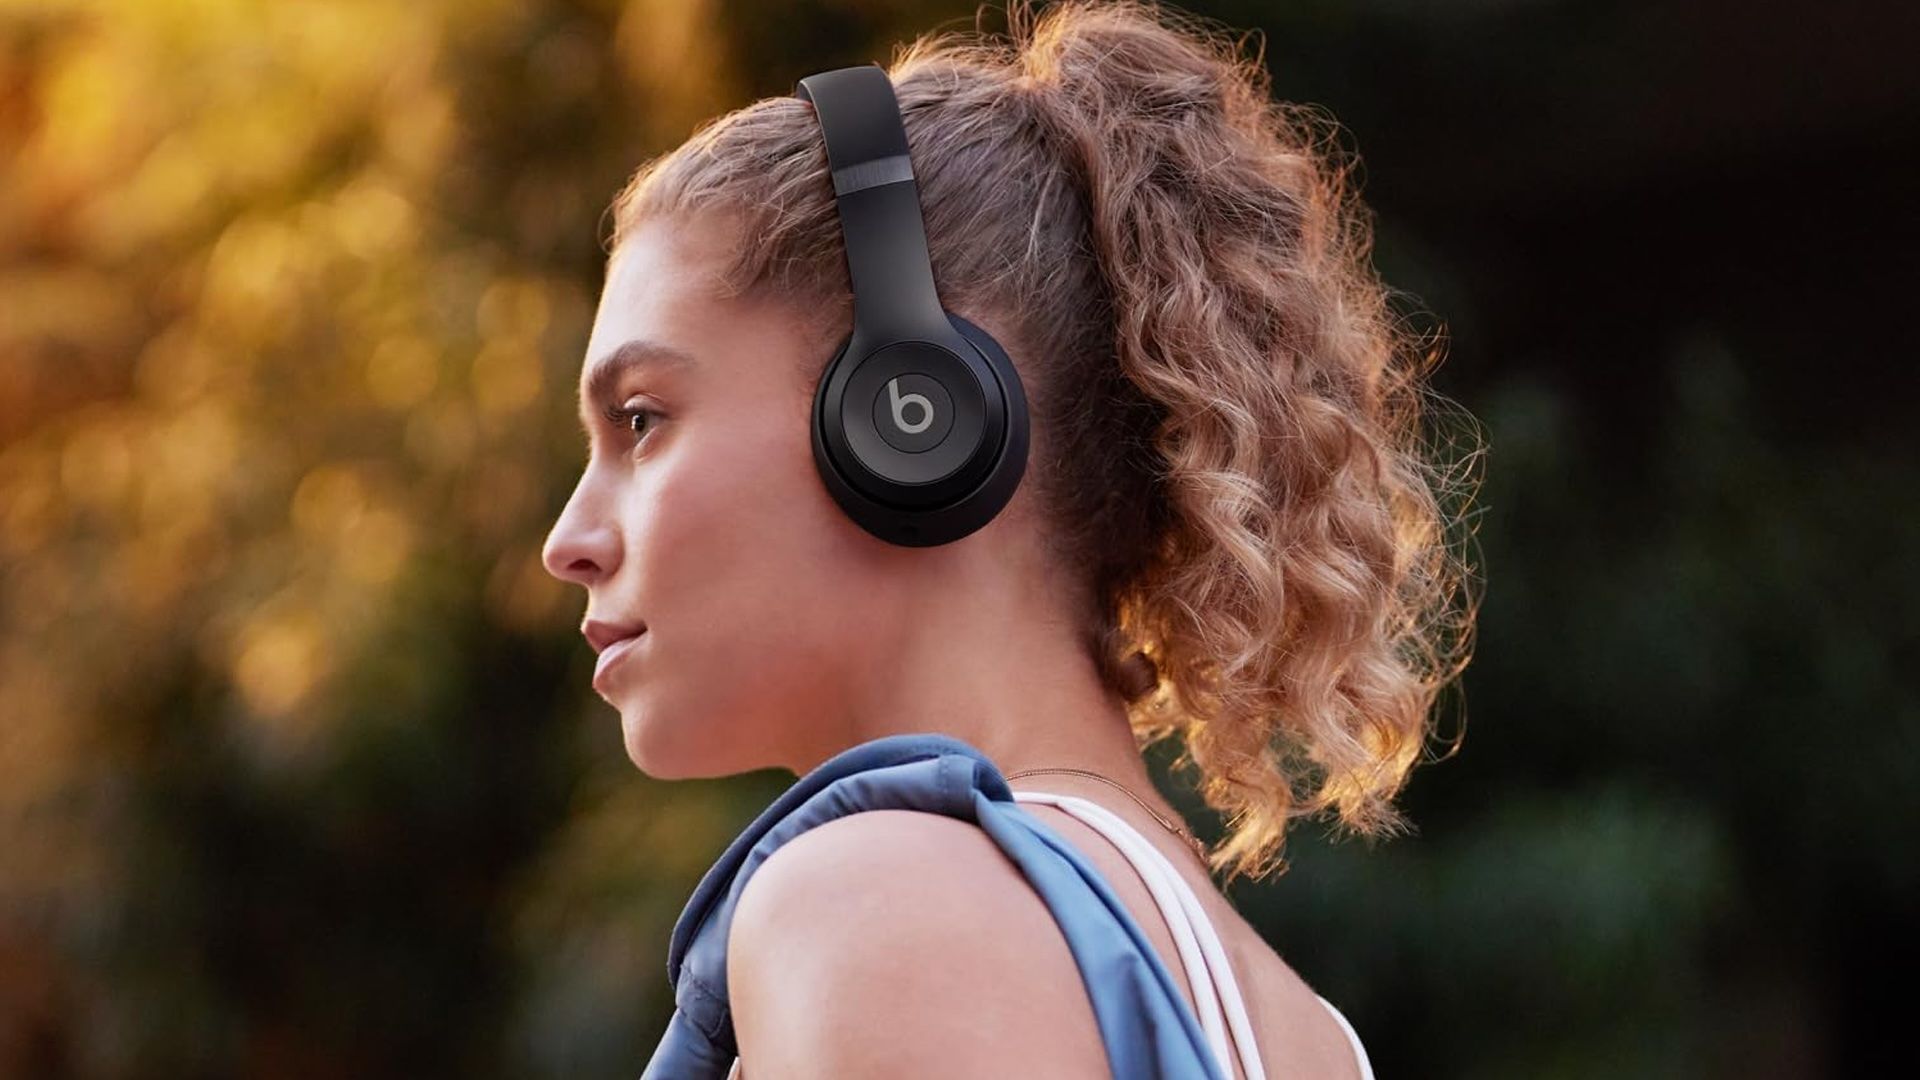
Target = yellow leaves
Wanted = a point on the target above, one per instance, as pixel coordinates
(508, 371)
(275, 325)
(416, 128)
(95, 461)
(371, 220)
(669, 49)
(37, 753)
(250, 288)
(276, 661)
(443, 436)
(327, 502)
(176, 368)
(514, 307)
(271, 324)
(90, 97)
(166, 196)
(188, 459)
(264, 138)
(377, 545)
(345, 47)
(521, 595)
(499, 497)
(368, 539)
(149, 575)
(565, 65)
(506, 377)
(402, 371)
(72, 305)
(29, 501)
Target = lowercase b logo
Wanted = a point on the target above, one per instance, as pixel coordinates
(899, 404)
(913, 414)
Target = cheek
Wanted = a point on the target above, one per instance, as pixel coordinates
(740, 543)
(762, 591)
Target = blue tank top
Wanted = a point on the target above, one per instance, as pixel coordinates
(1146, 1025)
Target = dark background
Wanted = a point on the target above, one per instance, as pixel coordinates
(300, 774)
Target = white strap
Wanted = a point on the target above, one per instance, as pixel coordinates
(1353, 1038)
(1156, 871)
(1192, 960)
(1208, 971)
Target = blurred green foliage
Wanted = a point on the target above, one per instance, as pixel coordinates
(299, 772)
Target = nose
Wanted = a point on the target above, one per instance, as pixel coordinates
(578, 549)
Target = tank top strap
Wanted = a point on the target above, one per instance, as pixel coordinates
(1353, 1040)
(1146, 1026)
(1216, 992)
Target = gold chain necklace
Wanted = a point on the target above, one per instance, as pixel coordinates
(1191, 840)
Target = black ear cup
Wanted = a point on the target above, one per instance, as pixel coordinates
(919, 421)
(921, 442)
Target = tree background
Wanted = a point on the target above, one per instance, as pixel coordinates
(300, 772)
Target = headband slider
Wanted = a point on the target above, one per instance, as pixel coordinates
(866, 174)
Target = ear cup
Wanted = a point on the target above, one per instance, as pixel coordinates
(922, 443)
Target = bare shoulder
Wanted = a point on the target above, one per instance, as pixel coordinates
(1294, 1031)
(895, 943)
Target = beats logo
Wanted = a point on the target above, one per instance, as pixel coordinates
(913, 412)
(918, 400)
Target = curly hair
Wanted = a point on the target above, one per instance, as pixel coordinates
(1227, 414)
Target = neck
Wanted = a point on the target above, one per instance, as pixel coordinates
(984, 650)
(982, 661)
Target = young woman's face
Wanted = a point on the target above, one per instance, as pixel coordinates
(704, 521)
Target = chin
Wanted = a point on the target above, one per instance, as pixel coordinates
(663, 753)
(696, 747)
(644, 747)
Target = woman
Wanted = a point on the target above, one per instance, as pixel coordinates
(1226, 532)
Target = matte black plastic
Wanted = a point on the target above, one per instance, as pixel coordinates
(886, 239)
(888, 510)
(956, 484)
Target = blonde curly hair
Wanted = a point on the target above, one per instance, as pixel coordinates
(1227, 415)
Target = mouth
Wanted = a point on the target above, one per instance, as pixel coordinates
(612, 655)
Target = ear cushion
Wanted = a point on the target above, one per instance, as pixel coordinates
(896, 520)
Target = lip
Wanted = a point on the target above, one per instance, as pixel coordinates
(601, 633)
(612, 655)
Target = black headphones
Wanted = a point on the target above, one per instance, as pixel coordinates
(920, 424)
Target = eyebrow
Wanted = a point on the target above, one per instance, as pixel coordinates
(636, 355)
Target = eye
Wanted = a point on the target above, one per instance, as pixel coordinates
(624, 417)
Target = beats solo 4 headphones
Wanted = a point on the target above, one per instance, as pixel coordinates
(920, 424)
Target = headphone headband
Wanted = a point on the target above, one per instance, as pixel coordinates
(919, 420)
(879, 204)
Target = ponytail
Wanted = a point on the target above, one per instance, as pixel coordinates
(1291, 610)
(1226, 444)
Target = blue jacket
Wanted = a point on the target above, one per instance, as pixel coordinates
(1149, 1030)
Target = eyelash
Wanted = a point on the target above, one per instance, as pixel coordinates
(622, 417)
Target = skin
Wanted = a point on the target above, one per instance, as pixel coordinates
(778, 631)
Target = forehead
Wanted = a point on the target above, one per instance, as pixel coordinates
(664, 290)
(661, 289)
